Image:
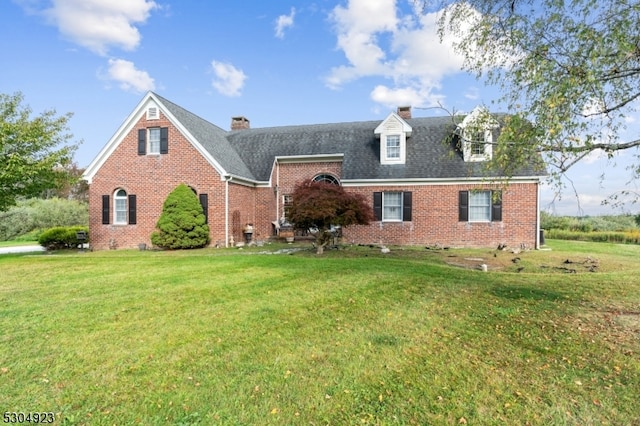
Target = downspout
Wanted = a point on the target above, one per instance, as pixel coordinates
(226, 211)
(538, 216)
(277, 190)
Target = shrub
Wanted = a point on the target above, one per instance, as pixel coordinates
(182, 222)
(61, 237)
(37, 214)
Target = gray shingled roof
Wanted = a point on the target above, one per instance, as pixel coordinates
(431, 152)
(211, 137)
(249, 153)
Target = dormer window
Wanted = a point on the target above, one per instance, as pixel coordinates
(476, 132)
(393, 147)
(393, 133)
(477, 145)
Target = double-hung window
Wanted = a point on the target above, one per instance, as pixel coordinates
(124, 208)
(480, 206)
(120, 207)
(392, 206)
(154, 140)
(393, 147)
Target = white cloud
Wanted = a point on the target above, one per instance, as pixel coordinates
(283, 22)
(129, 78)
(228, 80)
(379, 40)
(100, 24)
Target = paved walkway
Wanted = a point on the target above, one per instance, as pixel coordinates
(20, 249)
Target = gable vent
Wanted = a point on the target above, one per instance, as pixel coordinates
(153, 113)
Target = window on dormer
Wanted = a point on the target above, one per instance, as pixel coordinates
(477, 145)
(393, 147)
(393, 133)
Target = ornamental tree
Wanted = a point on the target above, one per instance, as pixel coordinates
(320, 205)
(569, 73)
(34, 151)
(182, 222)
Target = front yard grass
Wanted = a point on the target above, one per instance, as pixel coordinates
(415, 336)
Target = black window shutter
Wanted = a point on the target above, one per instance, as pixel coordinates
(164, 140)
(204, 202)
(463, 206)
(496, 206)
(406, 206)
(132, 210)
(377, 205)
(106, 214)
(142, 141)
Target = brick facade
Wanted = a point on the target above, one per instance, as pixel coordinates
(151, 178)
(234, 202)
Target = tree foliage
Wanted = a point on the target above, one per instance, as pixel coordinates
(33, 151)
(34, 215)
(182, 222)
(322, 205)
(569, 72)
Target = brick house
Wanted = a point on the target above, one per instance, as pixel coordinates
(425, 186)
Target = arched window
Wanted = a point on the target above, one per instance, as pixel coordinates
(326, 178)
(120, 207)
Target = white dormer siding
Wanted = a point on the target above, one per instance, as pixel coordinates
(476, 132)
(393, 133)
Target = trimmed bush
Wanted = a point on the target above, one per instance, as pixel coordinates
(182, 222)
(61, 237)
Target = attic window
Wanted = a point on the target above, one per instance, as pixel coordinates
(153, 113)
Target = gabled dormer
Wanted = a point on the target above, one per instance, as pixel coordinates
(476, 134)
(393, 133)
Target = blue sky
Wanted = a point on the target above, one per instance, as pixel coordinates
(275, 62)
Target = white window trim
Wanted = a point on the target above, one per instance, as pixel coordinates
(400, 147)
(469, 142)
(393, 125)
(123, 198)
(471, 196)
(384, 205)
(149, 150)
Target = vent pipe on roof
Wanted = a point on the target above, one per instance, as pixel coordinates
(404, 112)
(240, 123)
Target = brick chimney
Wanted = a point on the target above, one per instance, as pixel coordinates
(240, 123)
(404, 112)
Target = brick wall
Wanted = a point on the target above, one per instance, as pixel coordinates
(151, 178)
(435, 219)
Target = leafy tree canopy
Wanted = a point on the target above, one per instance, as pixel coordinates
(182, 222)
(34, 152)
(321, 205)
(569, 71)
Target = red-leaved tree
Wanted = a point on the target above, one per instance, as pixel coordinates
(321, 205)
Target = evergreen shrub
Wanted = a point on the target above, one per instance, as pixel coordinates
(182, 224)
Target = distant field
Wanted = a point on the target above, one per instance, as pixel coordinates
(233, 336)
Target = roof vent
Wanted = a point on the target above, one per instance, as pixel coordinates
(240, 123)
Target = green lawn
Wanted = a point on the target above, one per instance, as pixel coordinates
(235, 337)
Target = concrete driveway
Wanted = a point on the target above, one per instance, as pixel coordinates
(20, 249)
